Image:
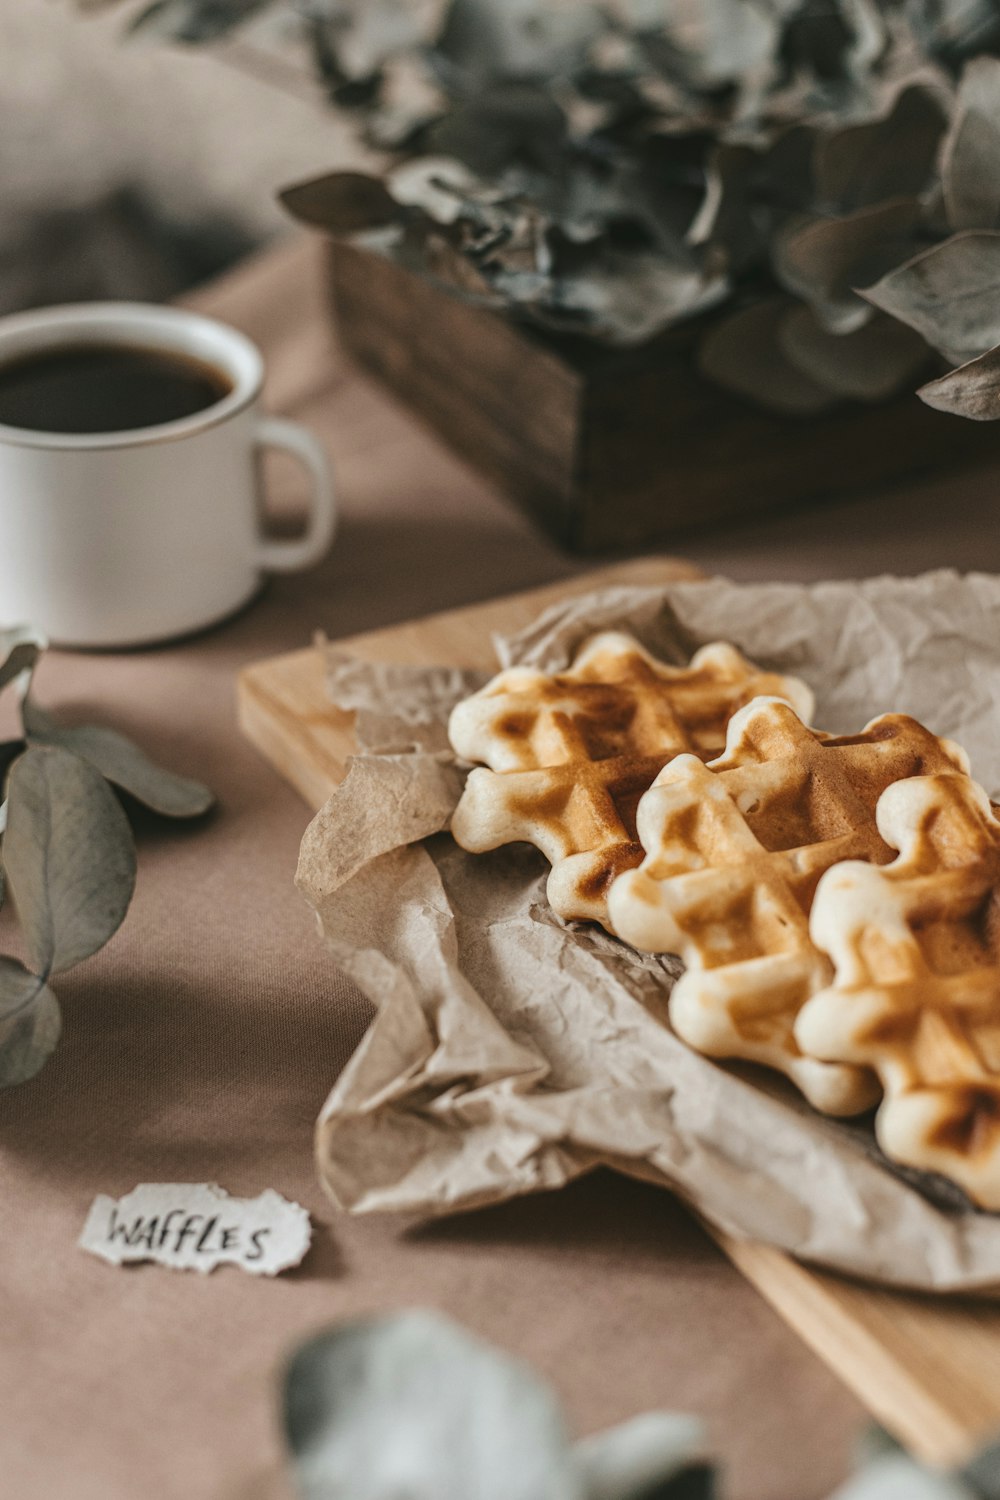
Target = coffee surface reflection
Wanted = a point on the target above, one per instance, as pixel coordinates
(88, 388)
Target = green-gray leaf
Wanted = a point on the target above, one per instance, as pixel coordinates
(121, 762)
(970, 162)
(412, 1404)
(870, 364)
(824, 261)
(949, 294)
(20, 648)
(866, 164)
(973, 390)
(342, 203)
(69, 857)
(29, 1023)
(898, 1477)
(658, 1454)
(193, 21)
(742, 353)
(499, 124)
(519, 39)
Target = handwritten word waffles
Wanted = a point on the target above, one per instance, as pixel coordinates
(566, 757)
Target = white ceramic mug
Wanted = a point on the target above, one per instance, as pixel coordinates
(124, 538)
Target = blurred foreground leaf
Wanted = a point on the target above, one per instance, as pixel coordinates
(193, 21)
(413, 1405)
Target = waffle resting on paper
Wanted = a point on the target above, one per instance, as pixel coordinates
(734, 852)
(915, 992)
(566, 756)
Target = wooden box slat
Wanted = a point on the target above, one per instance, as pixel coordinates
(614, 449)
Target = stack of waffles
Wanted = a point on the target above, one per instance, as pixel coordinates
(835, 899)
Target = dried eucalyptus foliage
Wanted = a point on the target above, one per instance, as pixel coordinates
(411, 1405)
(67, 855)
(817, 181)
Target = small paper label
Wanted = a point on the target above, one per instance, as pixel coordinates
(196, 1227)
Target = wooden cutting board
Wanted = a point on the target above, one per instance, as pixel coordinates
(928, 1368)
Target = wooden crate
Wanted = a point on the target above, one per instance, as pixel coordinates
(616, 449)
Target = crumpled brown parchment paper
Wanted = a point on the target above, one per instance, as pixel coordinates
(511, 1052)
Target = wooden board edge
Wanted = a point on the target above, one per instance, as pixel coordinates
(275, 697)
(824, 1313)
(289, 744)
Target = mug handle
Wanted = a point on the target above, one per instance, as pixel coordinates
(287, 557)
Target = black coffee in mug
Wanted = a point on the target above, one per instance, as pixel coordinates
(105, 388)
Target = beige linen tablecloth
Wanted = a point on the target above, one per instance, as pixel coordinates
(199, 1046)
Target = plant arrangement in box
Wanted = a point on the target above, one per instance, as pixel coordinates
(817, 180)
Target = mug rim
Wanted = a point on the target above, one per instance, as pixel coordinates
(158, 326)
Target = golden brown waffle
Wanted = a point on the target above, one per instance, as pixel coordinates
(570, 754)
(916, 995)
(734, 853)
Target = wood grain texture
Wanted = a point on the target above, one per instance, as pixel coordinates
(927, 1368)
(618, 448)
(283, 707)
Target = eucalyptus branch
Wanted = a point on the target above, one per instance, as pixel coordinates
(68, 854)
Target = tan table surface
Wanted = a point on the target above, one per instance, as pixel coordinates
(201, 1043)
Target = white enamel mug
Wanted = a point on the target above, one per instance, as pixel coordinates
(125, 538)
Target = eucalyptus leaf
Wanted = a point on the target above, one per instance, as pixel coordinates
(860, 165)
(950, 294)
(626, 298)
(952, 30)
(742, 353)
(69, 857)
(973, 390)
(366, 37)
(898, 1477)
(9, 751)
(726, 216)
(342, 203)
(499, 123)
(121, 762)
(29, 1023)
(659, 1455)
(482, 41)
(412, 1405)
(719, 42)
(982, 1472)
(836, 41)
(20, 648)
(970, 163)
(870, 364)
(193, 21)
(824, 261)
